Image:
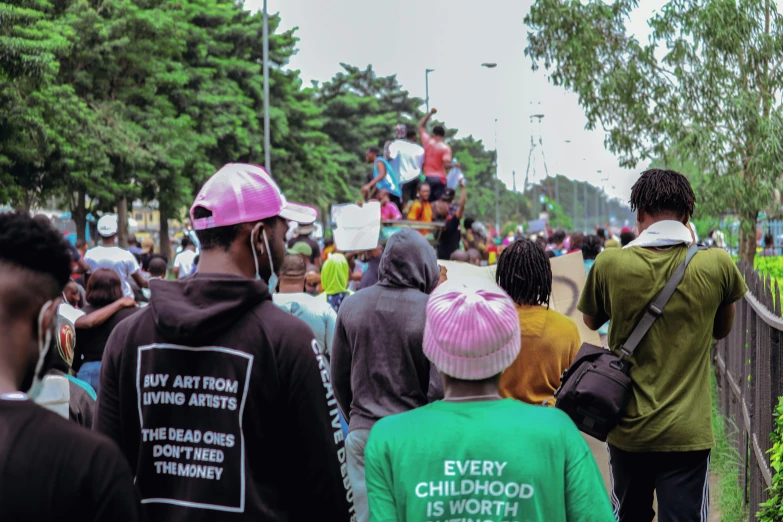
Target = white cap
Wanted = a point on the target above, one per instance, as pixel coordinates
(107, 225)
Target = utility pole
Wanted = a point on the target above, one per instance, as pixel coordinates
(584, 203)
(573, 212)
(267, 139)
(427, 87)
(497, 181)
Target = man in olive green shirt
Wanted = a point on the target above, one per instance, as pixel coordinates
(663, 441)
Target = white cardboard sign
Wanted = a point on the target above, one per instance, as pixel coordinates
(356, 228)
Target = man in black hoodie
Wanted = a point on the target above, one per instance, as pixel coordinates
(221, 401)
(378, 364)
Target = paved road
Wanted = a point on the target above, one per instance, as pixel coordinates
(602, 458)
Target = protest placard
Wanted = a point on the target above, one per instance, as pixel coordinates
(356, 227)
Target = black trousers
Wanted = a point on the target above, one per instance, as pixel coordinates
(436, 188)
(680, 479)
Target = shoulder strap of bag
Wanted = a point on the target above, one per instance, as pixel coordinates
(655, 309)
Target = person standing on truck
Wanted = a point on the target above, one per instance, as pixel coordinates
(437, 154)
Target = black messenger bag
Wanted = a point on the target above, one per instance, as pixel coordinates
(596, 388)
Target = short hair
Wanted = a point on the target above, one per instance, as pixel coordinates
(601, 233)
(626, 237)
(577, 239)
(157, 267)
(591, 247)
(42, 219)
(769, 239)
(186, 242)
(36, 247)
(411, 134)
(660, 191)
(132, 239)
(559, 236)
(469, 223)
(104, 287)
(424, 184)
(460, 255)
(293, 267)
(438, 130)
(474, 255)
(214, 238)
(525, 274)
(80, 243)
(375, 150)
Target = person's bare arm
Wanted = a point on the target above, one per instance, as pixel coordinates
(377, 179)
(176, 272)
(594, 322)
(143, 283)
(82, 266)
(425, 119)
(100, 316)
(724, 320)
(463, 199)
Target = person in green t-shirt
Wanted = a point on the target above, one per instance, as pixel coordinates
(474, 455)
(663, 440)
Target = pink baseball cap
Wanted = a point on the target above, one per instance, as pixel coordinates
(243, 193)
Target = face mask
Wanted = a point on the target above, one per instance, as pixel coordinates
(44, 340)
(272, 283)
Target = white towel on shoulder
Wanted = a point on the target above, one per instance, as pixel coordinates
(663, 234)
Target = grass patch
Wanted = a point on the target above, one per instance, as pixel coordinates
(726, 463)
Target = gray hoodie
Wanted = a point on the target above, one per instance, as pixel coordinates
(378, 364)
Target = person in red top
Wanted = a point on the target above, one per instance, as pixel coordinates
(437, 154)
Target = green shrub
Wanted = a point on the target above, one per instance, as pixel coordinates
(772, 266)
(772, 509)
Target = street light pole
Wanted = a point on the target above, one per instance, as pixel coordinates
(427, 87)
(497, 182)
(267, 139)
(490, 65)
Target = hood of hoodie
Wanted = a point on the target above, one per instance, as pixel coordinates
(203, 305)
(334, 274)
(409, 261)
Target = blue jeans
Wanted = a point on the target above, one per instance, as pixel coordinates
(90, 372)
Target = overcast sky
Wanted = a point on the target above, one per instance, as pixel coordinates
(405, 37)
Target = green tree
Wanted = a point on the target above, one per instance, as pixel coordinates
(29, 45)
(707, 82)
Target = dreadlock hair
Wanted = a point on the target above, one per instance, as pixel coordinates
(660, 191)
(524, 273)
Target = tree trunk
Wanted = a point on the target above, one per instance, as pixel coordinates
(165, 242)
(122, 221)
(747, 239)
(79, 214)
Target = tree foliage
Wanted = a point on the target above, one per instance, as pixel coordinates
(707, 81)
(104, 102)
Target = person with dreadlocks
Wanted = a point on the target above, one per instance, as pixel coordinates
(550, 340)
(662, 443)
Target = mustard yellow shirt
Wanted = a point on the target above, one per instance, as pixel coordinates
(550, 341)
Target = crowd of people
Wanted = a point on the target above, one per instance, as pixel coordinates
(270, 379)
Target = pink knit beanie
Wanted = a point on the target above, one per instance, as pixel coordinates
(472, 331)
